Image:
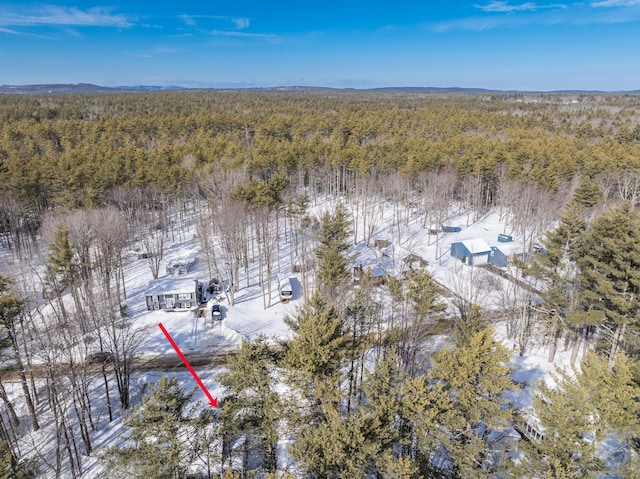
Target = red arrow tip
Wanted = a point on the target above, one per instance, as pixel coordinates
(212, 401)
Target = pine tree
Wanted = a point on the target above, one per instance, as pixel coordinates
(582, 410)
(588, 194)
(609, 262)
(389, 404)
(252, 408)
(333, 264)
(556, 268)
(316, 353)
(156, 443)
(464, 328)
(474, 377)
(336, 447)
(423, 296)
(313, 359)
(565, 417)
(62, 269)
(11, 468)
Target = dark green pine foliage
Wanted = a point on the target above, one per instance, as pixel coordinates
(336, 447)
(424, 294)
(251, 407)
(557, 270)
(333, 263)
(424, 298)
(12, 468)
(313, 359)
(464, 328)
(384, 407)
(316, 353)
(155, 444)
(615, 394)
(565, 417)
(62, 269)
(609, 262)
(588, 193)
(584, 409)
(473, 377)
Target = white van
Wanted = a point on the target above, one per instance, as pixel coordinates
(286, 291)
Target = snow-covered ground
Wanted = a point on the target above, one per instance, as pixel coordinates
(247, 318)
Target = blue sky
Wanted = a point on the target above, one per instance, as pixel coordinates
(524, 45)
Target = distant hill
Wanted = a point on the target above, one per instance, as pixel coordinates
(76, 88)
(61, 88)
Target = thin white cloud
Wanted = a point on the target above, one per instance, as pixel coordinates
(155, 52)
(10, 31)
(500, 14)
(498, 6)
(238, 23)
(64, 16)
(505, 7)
(616, 3)
(227, 33)
(241, 23)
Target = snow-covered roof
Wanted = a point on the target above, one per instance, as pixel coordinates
(510, 248)
(476, 245)
(171, 285)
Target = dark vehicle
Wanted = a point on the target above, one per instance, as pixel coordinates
(216, 312)
(100, 357)
(214, 286)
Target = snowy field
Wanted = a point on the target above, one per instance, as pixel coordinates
(247, 318)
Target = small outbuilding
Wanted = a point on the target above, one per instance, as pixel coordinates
(174, 293)
(413, 262)
(374, 274)
(180, 266)
(381, 243)
(471, 252)
(504, 254)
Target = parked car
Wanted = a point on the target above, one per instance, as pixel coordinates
(100, 357)
(214, 286)
(216, 312)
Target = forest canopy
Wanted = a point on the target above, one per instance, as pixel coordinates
(68, 150)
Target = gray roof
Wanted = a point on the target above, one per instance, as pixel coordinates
(171, 285)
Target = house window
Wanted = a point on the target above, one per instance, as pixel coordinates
(169, 302)
(183, 296)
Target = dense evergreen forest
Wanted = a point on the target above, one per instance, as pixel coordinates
(86, 176)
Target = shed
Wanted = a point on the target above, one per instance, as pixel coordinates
(503, 238)
(414, 262)
(180, 266)
(472, 251)
(374, 273)
(174, 293)
(505, 253)
(381, 243)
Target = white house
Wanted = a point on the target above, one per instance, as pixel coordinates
(174, 293)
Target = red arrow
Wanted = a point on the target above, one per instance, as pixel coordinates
(212, 401)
